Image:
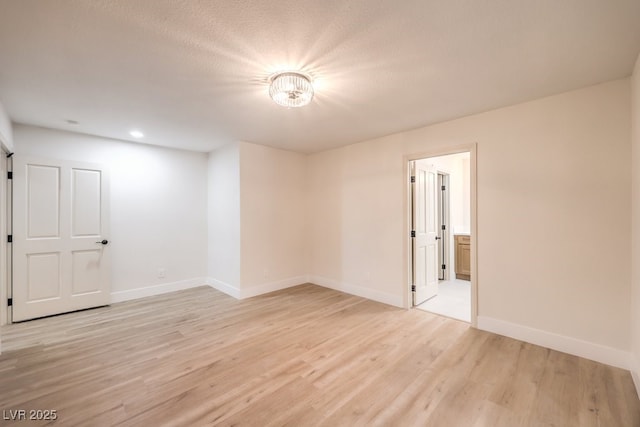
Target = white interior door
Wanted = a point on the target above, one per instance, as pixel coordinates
(425, 223)
(61, 226)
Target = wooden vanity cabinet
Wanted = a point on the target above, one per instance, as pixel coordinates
(463, 256)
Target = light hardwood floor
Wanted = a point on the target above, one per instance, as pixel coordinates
(304, 356)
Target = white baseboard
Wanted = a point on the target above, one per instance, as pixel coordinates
(265, 288)
(361, 291)
(224, 287)
(147, 291)
(574, 346)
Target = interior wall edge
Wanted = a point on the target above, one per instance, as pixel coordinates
(635, 375)
(635, 225)
(224, 287)
(265, 288)
(6, 130)
(588, 350)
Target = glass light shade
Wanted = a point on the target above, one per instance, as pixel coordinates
(291, 89)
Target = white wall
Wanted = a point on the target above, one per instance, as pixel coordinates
(224, 218)
(158, 207)
(273, 218)
(257, 219)
(553, 185)
(6, 134)
(356, 196)
(635, 225)
(466, 193)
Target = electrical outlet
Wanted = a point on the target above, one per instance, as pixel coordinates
(162, 273)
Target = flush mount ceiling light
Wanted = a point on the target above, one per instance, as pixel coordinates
(136, 134)
(291, 89)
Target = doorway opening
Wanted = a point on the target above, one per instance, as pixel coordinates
(441, 224)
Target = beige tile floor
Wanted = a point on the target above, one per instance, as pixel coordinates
(453, 300)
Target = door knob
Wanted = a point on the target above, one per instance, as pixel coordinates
(104, 242)
(438, 238)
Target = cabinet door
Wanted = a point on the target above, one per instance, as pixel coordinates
(465, 259)
(459, 267)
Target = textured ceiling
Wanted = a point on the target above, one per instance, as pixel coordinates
(193, 74)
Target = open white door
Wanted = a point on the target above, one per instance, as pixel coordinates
(425, 225)
(61, 223)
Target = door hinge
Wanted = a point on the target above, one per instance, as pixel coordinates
(9, 238)
(413, 288)
(413, 233)
(443, 188)
(413, 179)
(444, 227)
(444, 266)
(9, 302)
(9, 175)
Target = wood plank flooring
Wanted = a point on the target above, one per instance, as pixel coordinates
(305, 356)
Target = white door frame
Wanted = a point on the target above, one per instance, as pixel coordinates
(445, 238)
(4, 231)
(3, 245)
(406, 191)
